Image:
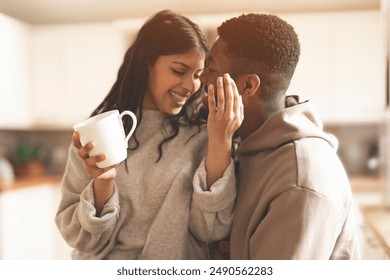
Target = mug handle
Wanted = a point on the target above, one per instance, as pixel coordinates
(131, 114)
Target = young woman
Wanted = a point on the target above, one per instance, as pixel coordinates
(175, 192)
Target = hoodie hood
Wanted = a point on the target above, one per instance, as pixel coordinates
(297, 120)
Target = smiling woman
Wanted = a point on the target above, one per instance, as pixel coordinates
(175, 192)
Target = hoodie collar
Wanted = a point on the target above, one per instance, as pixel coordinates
(297, 120)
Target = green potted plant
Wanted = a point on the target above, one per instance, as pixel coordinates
(28, 160)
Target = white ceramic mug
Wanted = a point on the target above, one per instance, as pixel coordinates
(107, 132)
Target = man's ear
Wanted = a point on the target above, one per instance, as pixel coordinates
(248, 84)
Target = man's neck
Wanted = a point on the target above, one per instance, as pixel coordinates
(254, 118)
(256, 114)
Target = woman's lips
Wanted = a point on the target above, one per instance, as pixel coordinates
(177, 98)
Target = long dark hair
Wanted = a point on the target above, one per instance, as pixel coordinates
(165, 33)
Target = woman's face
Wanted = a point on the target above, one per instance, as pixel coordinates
(173, 79)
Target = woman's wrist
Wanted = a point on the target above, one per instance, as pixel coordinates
(217, 160)
(103, 190)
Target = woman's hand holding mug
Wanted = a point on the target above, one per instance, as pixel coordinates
(90, 166)
(102, 144)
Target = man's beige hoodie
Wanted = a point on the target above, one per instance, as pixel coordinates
(294, 199)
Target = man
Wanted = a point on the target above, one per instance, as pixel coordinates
(294, 199)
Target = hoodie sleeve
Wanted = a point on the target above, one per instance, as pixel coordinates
(76, 216)
(295, 227)
(212, 210)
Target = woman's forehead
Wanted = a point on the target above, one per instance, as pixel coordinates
(193, 58)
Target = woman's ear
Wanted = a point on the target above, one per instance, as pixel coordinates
(248, 84)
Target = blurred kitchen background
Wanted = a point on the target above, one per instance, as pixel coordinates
(58, 59)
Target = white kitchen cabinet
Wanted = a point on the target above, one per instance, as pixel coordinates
(358, 61)
(342, 64)
(55, 75)
(15, 82)
(27, 226)
(74, 67)
(311, 78)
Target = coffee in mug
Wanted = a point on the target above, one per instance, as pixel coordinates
(107, 132)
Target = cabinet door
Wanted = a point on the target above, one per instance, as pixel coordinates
(27, 224)
(14, 73)
(48, 74)
(311, 79)
(358, 67)
(74, 68)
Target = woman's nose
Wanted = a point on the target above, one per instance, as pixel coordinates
(189, 84)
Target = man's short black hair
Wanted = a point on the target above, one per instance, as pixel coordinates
(262, 43)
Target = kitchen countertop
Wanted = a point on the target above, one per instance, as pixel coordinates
(365, 183)
(378, 218)
(367, 191)
(28, 182)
